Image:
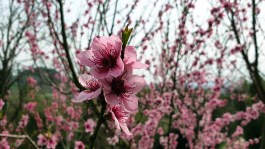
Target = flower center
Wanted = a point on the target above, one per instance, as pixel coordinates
(109, 62)
(92, 85)
(117, 86)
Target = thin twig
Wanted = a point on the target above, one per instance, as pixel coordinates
(21, 137)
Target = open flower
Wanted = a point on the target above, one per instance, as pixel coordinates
(92, 86)
(120, 116)
(79, 145)
(42, 140)
(130, 58)
(89, 125)
(121, 90)
(104, 57)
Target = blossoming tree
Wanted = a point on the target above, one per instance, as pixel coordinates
(176, 80)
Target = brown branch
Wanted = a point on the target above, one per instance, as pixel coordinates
(255, 33)
(66, 48)
(253, 71)
(100, 121)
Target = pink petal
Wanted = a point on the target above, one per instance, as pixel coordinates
(83, 79)
(130, 103)
(115, 38)
(130, 55)
(112, 99)
(134, 83)
(118, 48)
(125, 129)
(116, 120)
(95, 45)
(114, 50)
(117, 43)
(118, 69)
(97, 54)
(85, 95)
(85, 57)
(104, 53)
(104, 40)
(99, 73)
(138, 65)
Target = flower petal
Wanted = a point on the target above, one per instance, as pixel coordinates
(134, 83)
(112, 99)
(115, 38)
(129, 55)
(104, 40)
(116, 120)
(95, 45)
(99, 73)
(85, 57)
(138, 65)
(118, 69)
(130, 103)
(125, 129)
(83, 79)
(85, 95)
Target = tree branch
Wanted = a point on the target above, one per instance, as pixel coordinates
(21, 137)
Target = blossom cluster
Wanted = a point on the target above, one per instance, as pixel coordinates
(111, 76)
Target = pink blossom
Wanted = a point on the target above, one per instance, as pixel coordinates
(79, 145)
(2, 103)
(30, 106)
(52, 142)
(239, 131)
(70, 136)
(92, 86)
(104, 57)
(49, 141)
(38, 120)
(70, 111)
(89, 125)
(42, 140)
(24, 121)
(112, 141)
(120, 116)
(31, 81)
(121, 90)
(4, 144)
(172, 139)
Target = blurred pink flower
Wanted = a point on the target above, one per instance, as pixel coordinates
(92, 86)
(2, 103)
(104, 57)
(79, 145)
(89, 125)
(120, 116)
(30, 106)
(49, 141)
(113, 141)
(52, 142)
(31, 81)
(41, 140)
(4, 144)
(24, 121)
(121, 90)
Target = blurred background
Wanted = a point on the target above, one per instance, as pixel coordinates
(205, 81)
